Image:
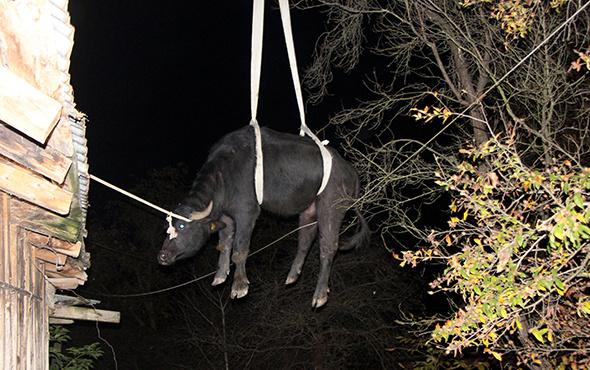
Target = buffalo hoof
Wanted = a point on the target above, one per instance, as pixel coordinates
(219, 280)
(220, 277)
(319, 299)
(292, 277)
(319, 302)
(239, 289)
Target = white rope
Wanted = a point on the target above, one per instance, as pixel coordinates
(326, 157)
(135, 197)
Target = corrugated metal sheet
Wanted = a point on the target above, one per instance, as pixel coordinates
(64, 41)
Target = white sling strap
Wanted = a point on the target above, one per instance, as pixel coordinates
(326, 157)
(255, 67)
(256, 63)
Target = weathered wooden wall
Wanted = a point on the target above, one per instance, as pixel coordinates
(23, 315)
(43, 181)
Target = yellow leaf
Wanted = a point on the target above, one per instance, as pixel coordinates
(448, 239)
(526, 185)
(558, 234)
(497, 356)
(465, 215)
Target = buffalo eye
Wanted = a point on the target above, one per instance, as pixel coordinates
(181, 226)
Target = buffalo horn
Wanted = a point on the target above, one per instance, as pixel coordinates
(202, 214)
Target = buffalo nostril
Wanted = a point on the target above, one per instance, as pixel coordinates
(163, 259)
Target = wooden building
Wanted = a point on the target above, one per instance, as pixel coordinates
(43, 182)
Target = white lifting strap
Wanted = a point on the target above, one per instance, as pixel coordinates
(255, 67)
(256, 62)
(326, 157)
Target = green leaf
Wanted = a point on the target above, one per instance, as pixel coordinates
(538, 335)
(578, 199)
(545, 284)
(584, 231)
(558, 231)
(559, 284)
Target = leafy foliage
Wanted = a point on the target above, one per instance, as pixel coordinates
(517, 251)
(516, 247)
(516, 16)
(73, 358)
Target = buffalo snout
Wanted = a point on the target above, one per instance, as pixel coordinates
(166, 255)
(164, 258)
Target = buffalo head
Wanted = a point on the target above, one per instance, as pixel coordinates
(187, 238)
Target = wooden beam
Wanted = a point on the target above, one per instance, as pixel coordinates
(45, 161)
(66, 300)
(50, 256)
(25, 108)
(83, 313)
(64, 283)
(58, 245)
(48, 223)
(20, 182)
(54, 321)
(66, 271)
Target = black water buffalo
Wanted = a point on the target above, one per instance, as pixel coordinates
(223, 199)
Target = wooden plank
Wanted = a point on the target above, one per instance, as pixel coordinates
(66, 271)
(20, 182)
(58, 245)
(25, 108)
(66, 300)
(83, 313)
(54, 321)
(64, 283)
(45, 161)
(50, 256)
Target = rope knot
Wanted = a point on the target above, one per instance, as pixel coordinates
(171, 230)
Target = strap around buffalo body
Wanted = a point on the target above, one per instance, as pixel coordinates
(255, 68)
(326, 157)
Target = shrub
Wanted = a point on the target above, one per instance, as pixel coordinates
(516, 251)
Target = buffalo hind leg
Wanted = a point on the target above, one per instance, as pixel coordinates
(305, 239)
(329, 225)
(226, 241)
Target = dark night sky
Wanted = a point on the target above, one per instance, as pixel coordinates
(162, 81)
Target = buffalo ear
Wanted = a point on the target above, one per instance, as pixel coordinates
(217, 225)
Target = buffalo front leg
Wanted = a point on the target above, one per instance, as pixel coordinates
(243, 234)
(306, 236)
(226, 241)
